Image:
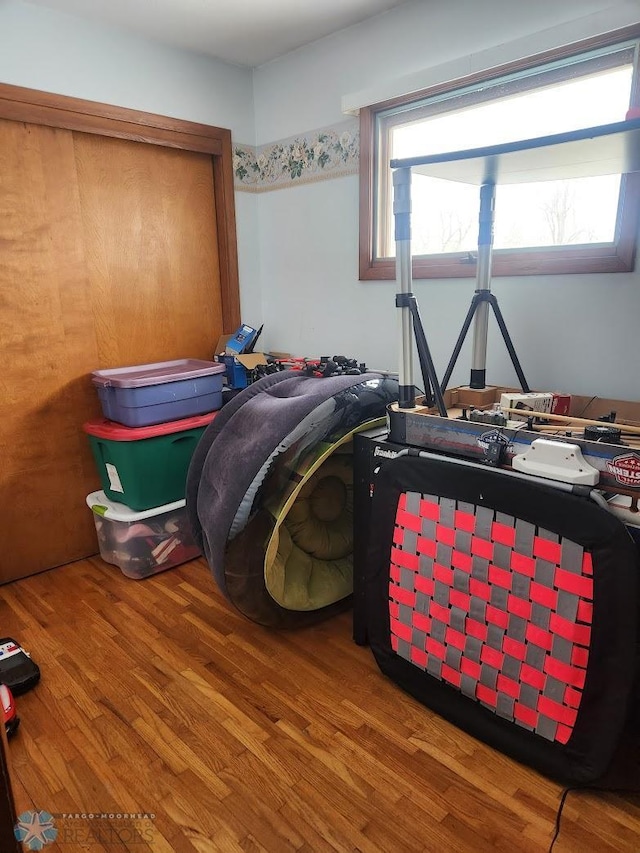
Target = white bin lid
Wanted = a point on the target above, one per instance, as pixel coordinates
(99, 503)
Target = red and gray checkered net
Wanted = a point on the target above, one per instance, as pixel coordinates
(494, 606)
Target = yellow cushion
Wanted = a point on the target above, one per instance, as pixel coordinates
(313, 565)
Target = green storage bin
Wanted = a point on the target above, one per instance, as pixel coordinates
(145, 467)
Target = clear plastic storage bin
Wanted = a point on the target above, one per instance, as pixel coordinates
(142, 543)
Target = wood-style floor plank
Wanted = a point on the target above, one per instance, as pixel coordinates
(157, 697)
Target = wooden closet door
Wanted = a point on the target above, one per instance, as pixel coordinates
(108, 257)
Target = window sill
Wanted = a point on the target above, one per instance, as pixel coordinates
(577, 261)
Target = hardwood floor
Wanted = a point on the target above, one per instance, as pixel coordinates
(158, 698)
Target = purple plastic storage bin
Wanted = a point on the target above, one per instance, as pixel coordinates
(148, 394)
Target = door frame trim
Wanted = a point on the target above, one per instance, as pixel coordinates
(62, 111)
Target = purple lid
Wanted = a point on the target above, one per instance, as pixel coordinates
(155, 374)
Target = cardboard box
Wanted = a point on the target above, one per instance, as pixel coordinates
(560, 404)
(530, 402)
(238, 364)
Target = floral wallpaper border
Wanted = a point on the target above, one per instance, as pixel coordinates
(317, 155)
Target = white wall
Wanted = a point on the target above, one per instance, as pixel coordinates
(46, 50)
(575, 333)
(298, 247)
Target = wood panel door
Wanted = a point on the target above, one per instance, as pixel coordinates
(108, 257)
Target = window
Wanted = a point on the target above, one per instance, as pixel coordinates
(571, 226)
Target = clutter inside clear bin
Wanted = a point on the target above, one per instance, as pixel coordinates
(143, 546)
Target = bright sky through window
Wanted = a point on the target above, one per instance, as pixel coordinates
(445, 214)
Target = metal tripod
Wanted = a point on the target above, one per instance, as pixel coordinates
(411, 324)
(482, 299)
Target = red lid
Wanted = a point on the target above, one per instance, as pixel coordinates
(117, 432)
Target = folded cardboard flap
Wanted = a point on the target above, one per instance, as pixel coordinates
(221, 346)
(252, 359)
(247, 360)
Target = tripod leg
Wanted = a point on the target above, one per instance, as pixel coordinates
(424, 369)
(508, 343)
(459, 342)
(424, 355)
(402, 216)
(483, 284)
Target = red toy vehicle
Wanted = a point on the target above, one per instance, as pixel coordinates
(11, 719)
